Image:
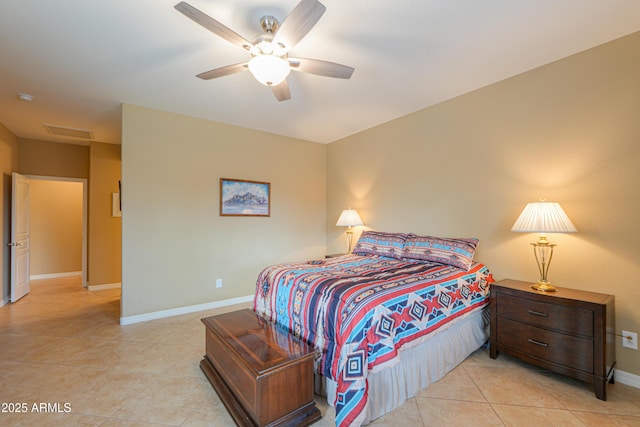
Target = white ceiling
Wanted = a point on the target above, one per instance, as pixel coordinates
(80, 59)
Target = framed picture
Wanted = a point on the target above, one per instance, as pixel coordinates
(116, 211)
(239, 197)
(116, 202)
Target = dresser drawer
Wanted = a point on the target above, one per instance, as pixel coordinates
(561, 318)
(567, 350)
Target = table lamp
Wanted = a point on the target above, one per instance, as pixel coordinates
(349, 218)
(543, 217)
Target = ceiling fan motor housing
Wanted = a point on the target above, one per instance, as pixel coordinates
(269, 24)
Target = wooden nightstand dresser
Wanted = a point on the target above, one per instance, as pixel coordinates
(563, 331)
(334, 255)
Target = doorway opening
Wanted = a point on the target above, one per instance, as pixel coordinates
(58, 222)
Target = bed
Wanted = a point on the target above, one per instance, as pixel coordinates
(386, 321)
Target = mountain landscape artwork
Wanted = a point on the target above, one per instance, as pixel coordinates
(244, 198)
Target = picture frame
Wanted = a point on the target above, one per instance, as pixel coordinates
(239, 197)
(116, 211)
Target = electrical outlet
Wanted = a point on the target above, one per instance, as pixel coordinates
(630, 340)
(218, 283)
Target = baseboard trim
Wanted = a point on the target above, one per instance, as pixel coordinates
(127, 320)
(55, 275)
(104, 286)
(627, 378)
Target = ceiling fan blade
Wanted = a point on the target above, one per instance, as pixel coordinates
(223, 71)
(282, 91)
(321, 68)
(299, 22)
(212, 25)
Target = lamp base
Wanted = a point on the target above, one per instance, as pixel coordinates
(544, 287)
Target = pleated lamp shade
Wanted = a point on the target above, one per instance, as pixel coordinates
(543, 217)
(349, 218)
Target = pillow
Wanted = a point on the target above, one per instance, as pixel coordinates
(454, 252)
(382, 244)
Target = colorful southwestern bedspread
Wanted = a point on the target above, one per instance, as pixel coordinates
(358, 311)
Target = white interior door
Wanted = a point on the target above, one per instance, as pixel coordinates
(20, 205)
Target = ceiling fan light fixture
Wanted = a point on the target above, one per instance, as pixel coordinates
(269, 70)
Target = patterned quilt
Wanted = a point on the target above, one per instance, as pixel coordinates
(358, 311)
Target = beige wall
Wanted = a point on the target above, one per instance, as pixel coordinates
(569, 131)
(175, 244)
(105, 244)
(47, 158)
(8, 165)
(56, 227)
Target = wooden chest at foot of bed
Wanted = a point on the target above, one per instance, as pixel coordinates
(262, 374)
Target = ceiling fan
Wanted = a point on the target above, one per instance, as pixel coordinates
(270, 62)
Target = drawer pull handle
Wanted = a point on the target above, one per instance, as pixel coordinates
(538, 313)
(541, 344)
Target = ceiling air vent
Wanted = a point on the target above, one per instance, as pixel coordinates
(70, 132)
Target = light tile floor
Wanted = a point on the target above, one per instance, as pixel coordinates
(62, 345)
